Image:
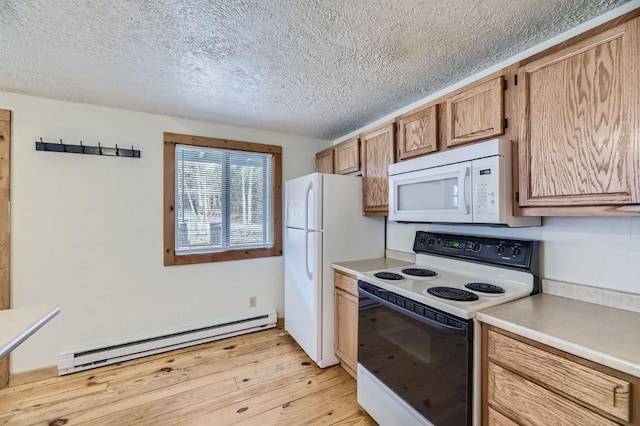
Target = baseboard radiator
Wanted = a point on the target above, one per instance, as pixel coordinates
(73, 361)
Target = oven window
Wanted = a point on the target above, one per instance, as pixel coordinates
(441, 194)
(428, 368)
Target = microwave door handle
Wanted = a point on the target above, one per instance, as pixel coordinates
(466, 190)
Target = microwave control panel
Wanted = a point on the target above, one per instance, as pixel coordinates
(486, 182)
(486, 194)
(516, 253)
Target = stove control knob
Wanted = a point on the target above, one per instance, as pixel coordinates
(431, 241)
(477, 246)
(422, 240)
(515, 251)
(500, 249)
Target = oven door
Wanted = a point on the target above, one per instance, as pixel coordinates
(423, 355)
(438, 194)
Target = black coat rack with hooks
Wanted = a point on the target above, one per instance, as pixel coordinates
(84, 149)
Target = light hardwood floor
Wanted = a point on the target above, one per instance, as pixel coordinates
(262, 378)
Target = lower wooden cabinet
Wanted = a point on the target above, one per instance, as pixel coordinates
(497, 419)
(346, 321)
(527, 383)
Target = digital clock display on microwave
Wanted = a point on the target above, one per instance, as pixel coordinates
(485, 172)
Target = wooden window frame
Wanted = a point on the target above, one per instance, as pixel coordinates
(170, 256)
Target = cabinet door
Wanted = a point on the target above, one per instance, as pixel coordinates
(580, 132)
(377, 154)
(324, 161)
(595, 388)
(346, 157)
(418, 133)
(477, 113)
(531, 404)
(346, 333)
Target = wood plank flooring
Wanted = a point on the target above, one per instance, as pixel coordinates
(262, 378)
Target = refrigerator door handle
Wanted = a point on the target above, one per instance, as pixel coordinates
(306, 208)
(306, 256)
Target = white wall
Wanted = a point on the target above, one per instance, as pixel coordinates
(86, 231)
(599, 252)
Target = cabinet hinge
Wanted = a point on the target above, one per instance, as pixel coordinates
(515, 80)
(517, 197)
(504, 84)
(506, 123)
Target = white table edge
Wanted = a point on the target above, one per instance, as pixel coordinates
(15, 342)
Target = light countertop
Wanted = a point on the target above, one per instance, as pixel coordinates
(16, 325)
(355, 266)
(601, 334)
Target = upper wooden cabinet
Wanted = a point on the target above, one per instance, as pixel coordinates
(346, 157)
(476, 113)
(324, 161)
(418, 133)
(580, 126)
(377, 153)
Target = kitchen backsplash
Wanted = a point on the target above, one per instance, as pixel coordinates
(600, 296)
(595, 252)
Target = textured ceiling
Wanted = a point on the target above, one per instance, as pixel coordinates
(319, 68)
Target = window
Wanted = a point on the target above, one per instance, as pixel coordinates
(223, 200)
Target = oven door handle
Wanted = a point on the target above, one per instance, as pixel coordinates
(461, 331)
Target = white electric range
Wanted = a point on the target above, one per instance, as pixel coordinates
(419, 346)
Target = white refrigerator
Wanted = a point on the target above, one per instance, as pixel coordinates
(323, 224)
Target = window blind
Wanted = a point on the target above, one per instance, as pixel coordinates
(224, 200)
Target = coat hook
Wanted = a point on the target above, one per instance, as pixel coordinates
(64, 149)
(44, 145)
(81, 147)
(99, 149)
(117, 151)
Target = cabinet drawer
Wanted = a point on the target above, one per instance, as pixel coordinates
(608, 393)
(497, 419)
(346, 283)
(531, 404)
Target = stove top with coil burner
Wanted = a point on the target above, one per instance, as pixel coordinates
(419, 272)
(485, 288)
(392, 276)
(451, 293)
(482, 272)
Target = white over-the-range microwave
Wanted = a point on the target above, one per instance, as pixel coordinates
(472, 184)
